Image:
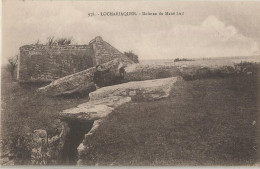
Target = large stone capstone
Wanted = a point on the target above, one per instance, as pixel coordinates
(140, 72)
(140, 90)
(105, 100)
(83, 81)
(94, 110)
(78, 82)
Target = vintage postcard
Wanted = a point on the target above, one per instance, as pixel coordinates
(130, 83)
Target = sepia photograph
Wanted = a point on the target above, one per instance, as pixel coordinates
(130, 83)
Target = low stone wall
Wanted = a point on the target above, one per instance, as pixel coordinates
(41, 63)
(47, 63)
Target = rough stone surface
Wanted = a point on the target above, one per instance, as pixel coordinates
(140, 72)
(103, 51)
(198, 72)
(141, 90)
(94, 110)
(105, 100)
(41, 63)
(47, 147)
(39, 147)
(78, 82)
(193, 72)
(83, 81)
(227, 70)
(6, 157)
(83, 147)
(56, 141)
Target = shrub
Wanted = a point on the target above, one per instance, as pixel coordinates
(18, 145)
(64, 41)
(50, 41)
(38, 42)
(12, 64)
(246, 66)
(59, 41)
(132, 56)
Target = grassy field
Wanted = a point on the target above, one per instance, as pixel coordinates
(24, 110)
(204, 122)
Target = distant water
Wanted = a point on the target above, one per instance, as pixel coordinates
(213, 62)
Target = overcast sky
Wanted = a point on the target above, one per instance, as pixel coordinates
(206, 29)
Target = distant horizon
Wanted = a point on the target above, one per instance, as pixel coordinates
(198, 58)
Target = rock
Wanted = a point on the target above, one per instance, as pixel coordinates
(39, 136)
(94, 110)
(47, 148)
(78, 82)
(195, 72)
(227, 70)
(141, 90)
(6, 157)
(198, 72)
(39, 147)
(105, 100)
(83, 147)
(111, 73)
(254, 122)
(56, 142)
(140, 72)
(6, 161)
(83, 81)
(188, 73)
(45, 63)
